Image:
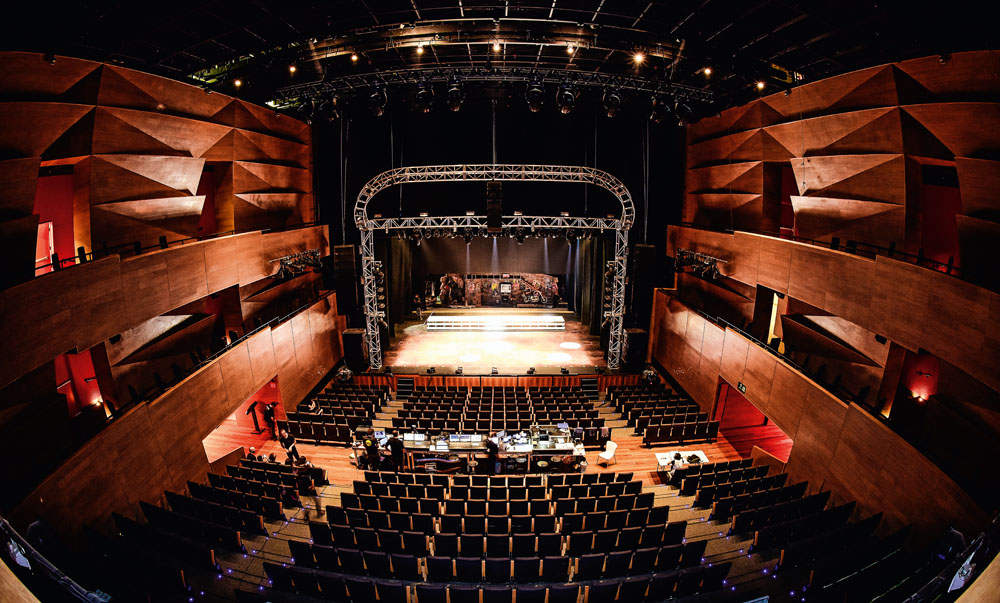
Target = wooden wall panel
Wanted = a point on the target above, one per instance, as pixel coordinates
(750, 116)
(130, 89)
(964, 76)
(872, 177)
(262, 363)
(28, 76)
(84, 305)
(862, 89)
(852, 133)
(977, 179)
(127, 131)
(913, 306)
(836, 447)
(158, 445)
(18, 179)
(821, 218)
(29, 129)
(746, 177)
(967, 129)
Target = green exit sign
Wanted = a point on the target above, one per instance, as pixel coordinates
(741, 387)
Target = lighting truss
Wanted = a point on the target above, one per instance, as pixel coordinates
(297, 263)
(371, 268)
(352, 84)
(701, 264)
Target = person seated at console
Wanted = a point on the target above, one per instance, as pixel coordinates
(675, 463)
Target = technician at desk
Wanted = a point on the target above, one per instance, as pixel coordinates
(492, 453)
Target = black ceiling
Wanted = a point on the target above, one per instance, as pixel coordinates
(738, 38)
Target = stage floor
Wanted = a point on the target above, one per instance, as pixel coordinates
(478, 352)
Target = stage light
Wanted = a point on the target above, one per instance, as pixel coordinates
(612, 102)
(531, 370)
(306, 111)
(660, 110)
(423, 214)
(566, 98)
(420, 49)
(638, 58)
(496, 46)
(425, 97)
(494, 371)
(328, 110)
(570, 49)
(707, 71)
(760, 85)
(431, 370)
(377, 100)
(684, 113)
(519, 235)
(563, 370)
(533, 95)
(354, 57)
(237, 83)
(456, 96)
(292, 68)
(458, 371)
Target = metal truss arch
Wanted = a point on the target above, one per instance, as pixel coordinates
(371, 267)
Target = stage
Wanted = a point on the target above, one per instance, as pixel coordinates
(512, 352)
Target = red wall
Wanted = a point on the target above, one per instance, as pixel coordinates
(938, 207)
(54, 203)
(72, 373)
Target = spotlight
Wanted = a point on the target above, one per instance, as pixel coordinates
(496, 46)
(237, 83)
(638, 58)
(456, 96)
(707, 71)
(420, 49)
(570, 49)
(292, 68)
(425, 97)
(458, 371)
(468, 236)
(685, 115)
(328, 110)
(612, 102)
(760, 85)
(431, 370)
(306, 111)
(566, 98)
(354, 57)
(533, 95)
(564, 370)
(377, 100)
(494, 371)
(531, 370)
(660, 110)
(519, 235)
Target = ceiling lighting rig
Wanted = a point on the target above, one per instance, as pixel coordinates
(701, 264)
(295, 264)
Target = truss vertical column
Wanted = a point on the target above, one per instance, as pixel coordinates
(370, 270)
(616, 340)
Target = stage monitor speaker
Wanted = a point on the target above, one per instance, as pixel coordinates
(345, 279)
(494, 199)
(355, 350)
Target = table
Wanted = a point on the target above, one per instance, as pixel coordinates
(663, 458)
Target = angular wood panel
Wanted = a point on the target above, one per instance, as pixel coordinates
(29, 129)
(967, 129)
(128, 131)
(977, 180)
(130, 89)
(862, 89)
(745, 177)
(853, 133)
(873, 222)
(18, 179)
(873, 177)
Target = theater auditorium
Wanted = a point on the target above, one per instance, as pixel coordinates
(438, 301)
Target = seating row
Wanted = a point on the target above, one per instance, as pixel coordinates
(259, 503)
(724, 508)
(550, 479)
(322, 432)
(211, 534)
(778, 535)
(496, 570)
(757, 519)
(691, 484)
(707, 495)
(681, 433)
(479, 544)
(301, 581)
(497, 523)
(243, 520)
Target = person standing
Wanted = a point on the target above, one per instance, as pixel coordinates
(268, 413)
(492, 454)
(396, 448)
(371, 451)
(288, 443)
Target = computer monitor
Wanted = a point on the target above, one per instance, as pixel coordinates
(380, 437)
(454, 437)
(543, 437)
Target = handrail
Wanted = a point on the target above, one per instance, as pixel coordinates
(39, 565)
(868, 250)
(133, 249)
